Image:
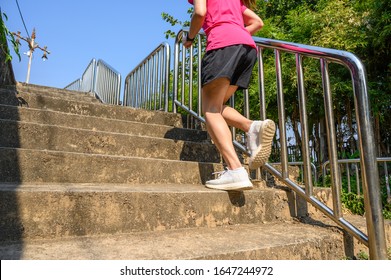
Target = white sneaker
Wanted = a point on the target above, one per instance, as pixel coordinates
(259, 142)
(231, 180)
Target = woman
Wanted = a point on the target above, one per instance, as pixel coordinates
(226, 67)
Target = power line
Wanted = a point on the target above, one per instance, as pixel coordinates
(20, 13)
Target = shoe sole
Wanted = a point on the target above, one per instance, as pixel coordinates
(262, 154)
(232, 186)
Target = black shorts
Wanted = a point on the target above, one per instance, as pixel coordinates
(233, 62)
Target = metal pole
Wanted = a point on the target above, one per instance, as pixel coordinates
(30, 54)
(369, 170)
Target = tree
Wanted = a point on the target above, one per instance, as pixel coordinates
(5, 36)
(377, 58)
(174, 22)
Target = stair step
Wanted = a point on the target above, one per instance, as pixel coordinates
(23, 88)
(39, 166)
(99, 124)
(82, 108)
(59, 138)
(270, 241)
(61, 210)
(58, 92)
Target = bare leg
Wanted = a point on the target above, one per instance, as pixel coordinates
(233, 117)
(213, 97)
(259, 140)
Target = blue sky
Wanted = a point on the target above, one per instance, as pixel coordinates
(120, 32)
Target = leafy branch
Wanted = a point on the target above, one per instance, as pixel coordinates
(174, 22)
(5, 36)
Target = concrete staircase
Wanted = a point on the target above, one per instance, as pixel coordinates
(84, 180)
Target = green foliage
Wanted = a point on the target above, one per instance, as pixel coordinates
(362, 256)
(5, 36)
(174, 22)
(386, 202)
(339, 26)
(353, 199)
(280, 8)
(353, 202)
(377, 58)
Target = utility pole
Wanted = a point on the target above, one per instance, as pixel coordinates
(32, 46)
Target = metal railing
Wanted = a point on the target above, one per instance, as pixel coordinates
(300, 165)
(107, 84)
(100, 79)
(147, 86)
(349, 164)
(183, 68)
(185, 78)
(88, 77)
(75, 85)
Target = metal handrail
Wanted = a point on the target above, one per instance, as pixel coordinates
(374, 218)
(107, 86)
(100, 79)
(147, 85)
(88, 77)
(375, 240)
(75, 85)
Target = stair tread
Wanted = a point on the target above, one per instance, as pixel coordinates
(67, 114)
(95, 131)
(86, 108)
(102, 187)
(251, 241)
(92, 155)
(65, 167)
(94, 123)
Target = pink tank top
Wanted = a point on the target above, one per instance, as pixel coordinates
(224, 25)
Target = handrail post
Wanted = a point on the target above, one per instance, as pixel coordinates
(304, 126)
(281, 114)
(332, 141)
(176, 71)
(369, 168)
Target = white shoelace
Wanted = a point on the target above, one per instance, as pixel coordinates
(218, 174)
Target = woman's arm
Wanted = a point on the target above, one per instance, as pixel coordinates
(252, 21)
(196, 20)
